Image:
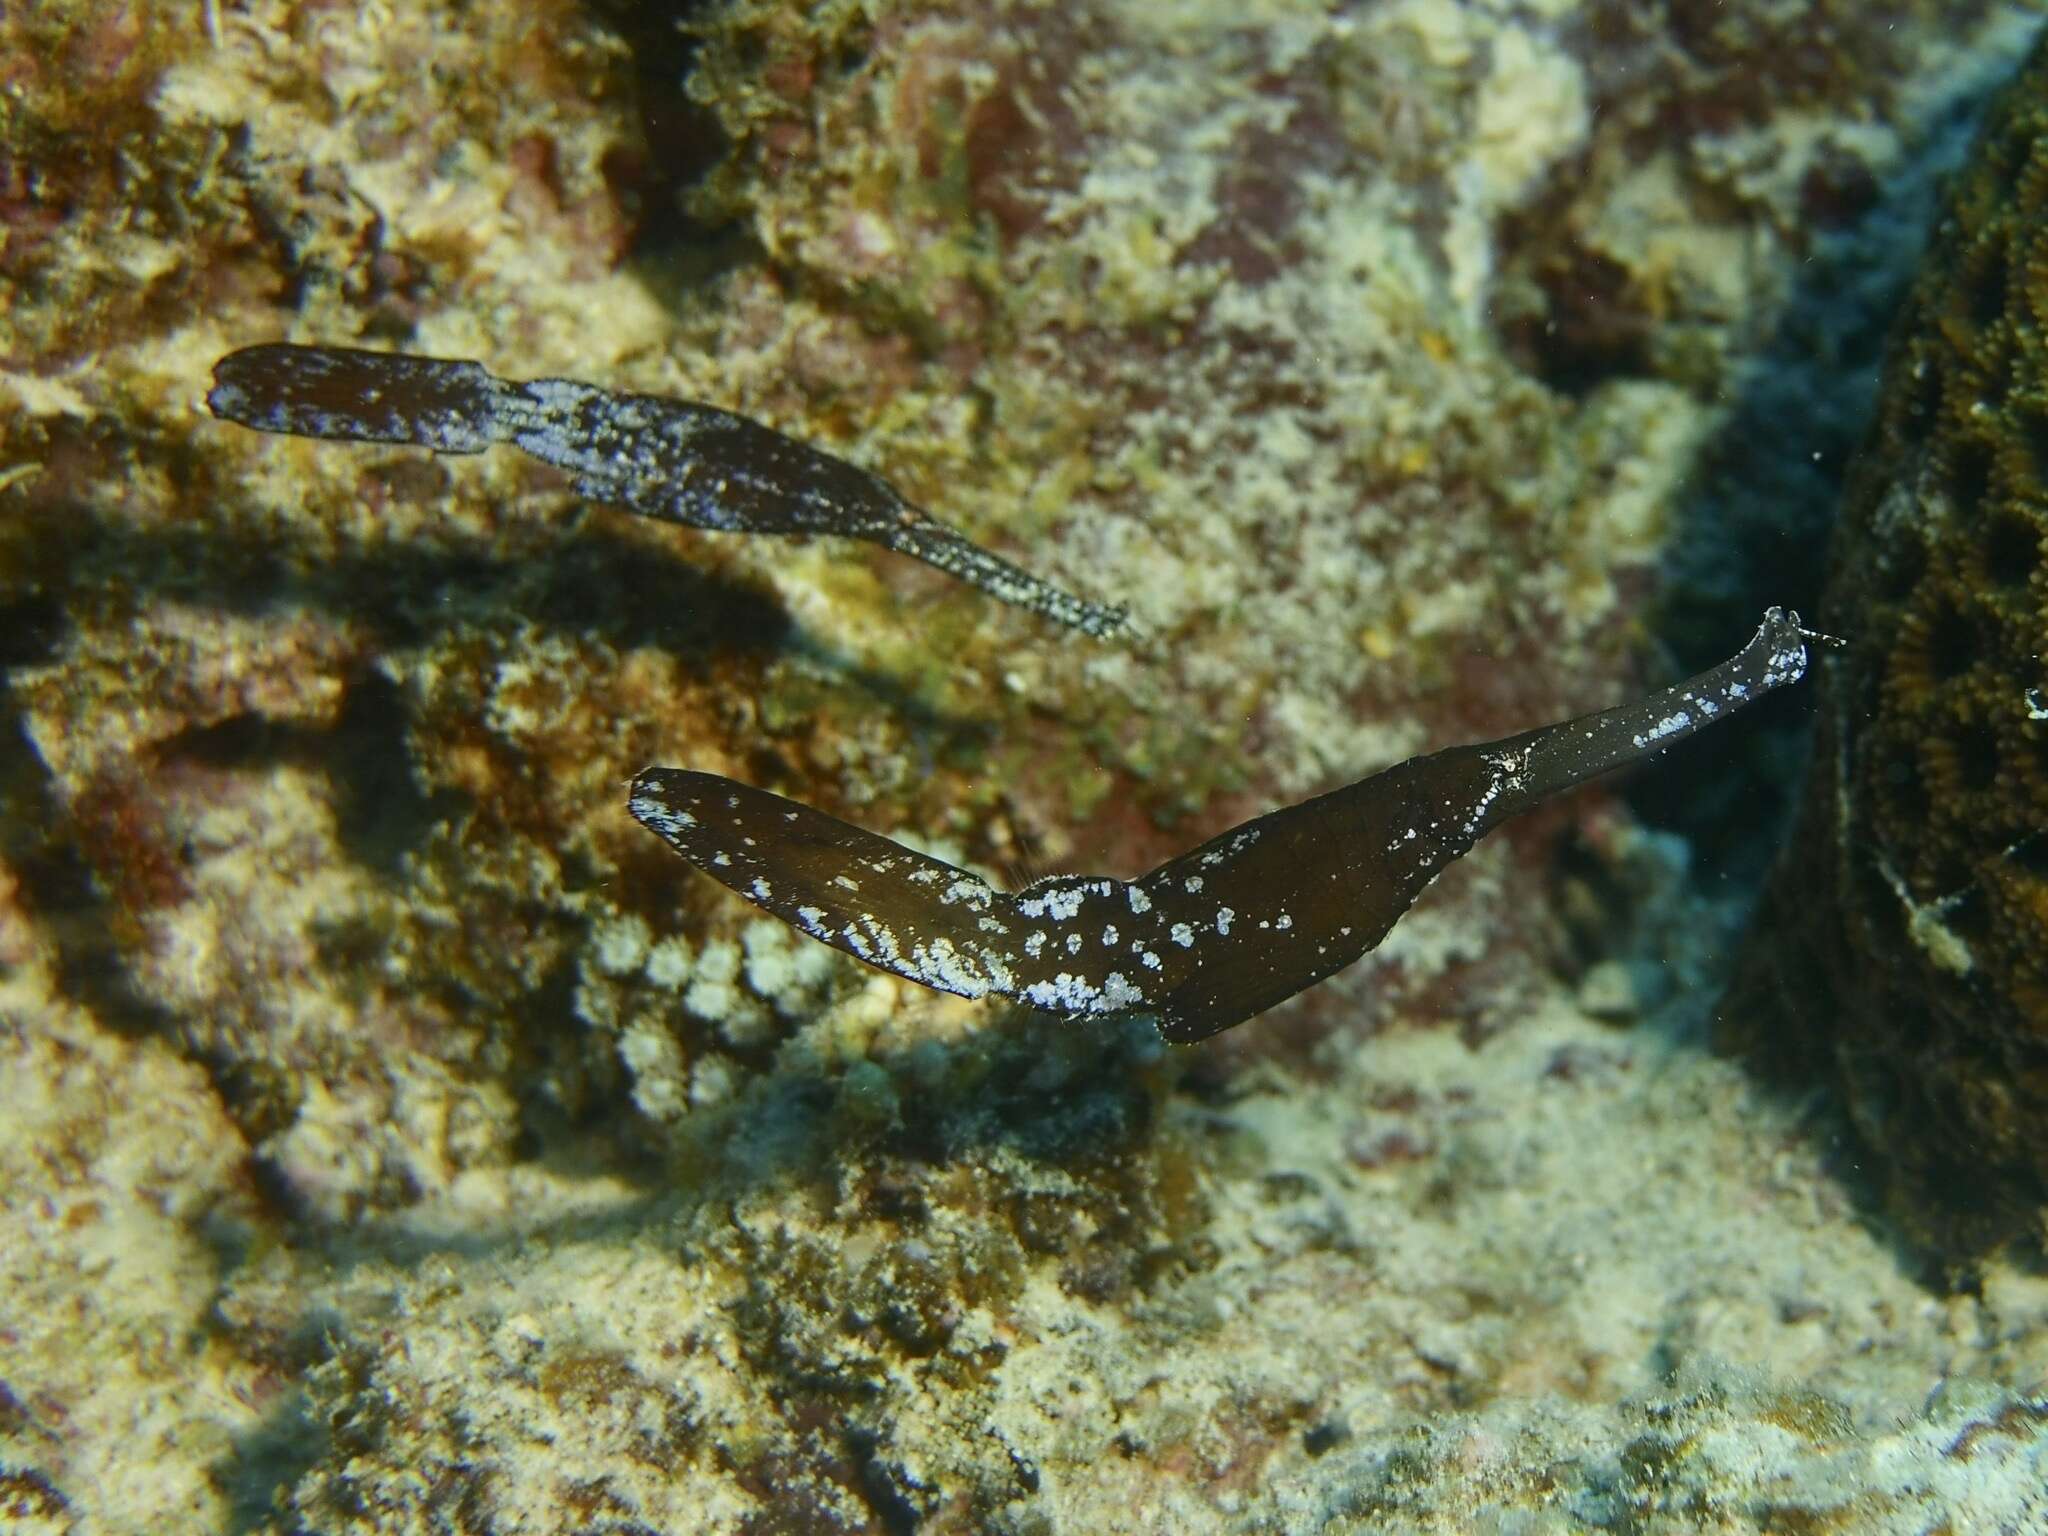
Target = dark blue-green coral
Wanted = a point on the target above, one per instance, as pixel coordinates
(1904, 946)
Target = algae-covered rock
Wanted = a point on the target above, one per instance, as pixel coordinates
(1571, 1278)
(397, 1137)
(1906, 942)
(1716, 1449)
(123, 1190)
(1265, 322)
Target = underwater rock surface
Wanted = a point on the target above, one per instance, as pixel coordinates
(395, 1140)
(1907, 937)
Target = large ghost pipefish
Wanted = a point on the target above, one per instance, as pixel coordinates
(1211, 938)
(671, 459)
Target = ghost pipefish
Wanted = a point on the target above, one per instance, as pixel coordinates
(672, 459)
(1209, 939)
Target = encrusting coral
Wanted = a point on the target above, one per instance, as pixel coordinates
(401, 1139)
(1904, 946)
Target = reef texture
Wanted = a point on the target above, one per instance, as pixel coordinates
(1906, 940)
(396, 1137)
(1255, 320)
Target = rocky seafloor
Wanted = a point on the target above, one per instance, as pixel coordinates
(394, 1136)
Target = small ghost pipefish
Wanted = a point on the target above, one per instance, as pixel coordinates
(672, 459)
(1209, 939)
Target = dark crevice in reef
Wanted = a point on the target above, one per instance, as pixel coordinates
(31, 624)
(678, 243)
(42, 849)
(1752, 527)
(885, 1484)
(287, 1444)
(1570, 317)
(381, 811)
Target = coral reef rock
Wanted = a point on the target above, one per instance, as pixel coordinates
(1906, 939)
(395, 1137)
(1363, 351)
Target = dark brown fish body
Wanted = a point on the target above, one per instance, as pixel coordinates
(1312, 887)
(1212, 937)
(673, 459)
